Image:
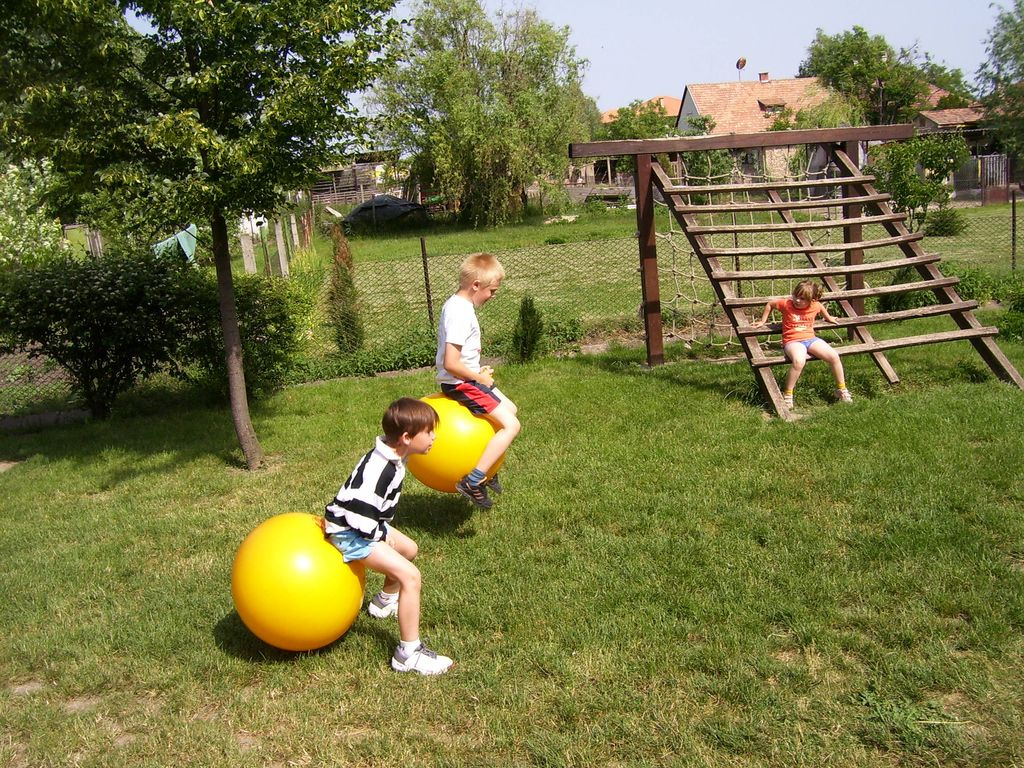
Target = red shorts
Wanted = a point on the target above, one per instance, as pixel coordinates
(477, 397)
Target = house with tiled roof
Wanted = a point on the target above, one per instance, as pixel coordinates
(751, 107)
(748, 106)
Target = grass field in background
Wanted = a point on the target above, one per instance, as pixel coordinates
(670, 578)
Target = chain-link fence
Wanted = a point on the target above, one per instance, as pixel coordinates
(581, 289)
(584, 291)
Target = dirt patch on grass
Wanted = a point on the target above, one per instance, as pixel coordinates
(27, 688)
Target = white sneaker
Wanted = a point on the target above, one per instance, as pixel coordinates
(422, 660)
(788, 401)
(844, 396)
(380, 608)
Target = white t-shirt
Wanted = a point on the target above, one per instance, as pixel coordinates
(459, 326)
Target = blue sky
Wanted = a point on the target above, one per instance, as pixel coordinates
(647, 48)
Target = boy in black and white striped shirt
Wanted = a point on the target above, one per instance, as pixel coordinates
(358, 523)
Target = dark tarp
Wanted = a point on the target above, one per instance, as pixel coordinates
(382, 208)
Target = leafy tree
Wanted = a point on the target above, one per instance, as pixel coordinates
(887, 86)
(482, 107)
(27, 234)
(108, 322)
(896, 166)
(958, 90)
(640, 120)
(1001, 78)
(222, 108)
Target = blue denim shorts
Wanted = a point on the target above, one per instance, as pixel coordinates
(807, 342)
(351, 545)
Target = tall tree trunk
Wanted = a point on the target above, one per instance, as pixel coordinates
(233, 345)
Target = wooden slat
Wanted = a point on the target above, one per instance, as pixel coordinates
(863, 293)
(761, 186)
(881, 317)
(741, 140)
(823, 248)
(831, 202)
(795, 226)
(838, 269)
(884, 344)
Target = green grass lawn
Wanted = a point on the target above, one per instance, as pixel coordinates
(670, 578)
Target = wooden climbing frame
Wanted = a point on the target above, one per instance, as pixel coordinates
(778, 200)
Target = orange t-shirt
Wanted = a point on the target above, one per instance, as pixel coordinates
(797, 324)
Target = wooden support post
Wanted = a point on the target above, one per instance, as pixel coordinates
(282, 249)
(248, 254)
(648, 261)
(853, 233)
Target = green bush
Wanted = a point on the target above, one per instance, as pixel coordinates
(268, 311)
(945, 222)
(415, 349)
(108, 322)
(528, 332)
(342, 299)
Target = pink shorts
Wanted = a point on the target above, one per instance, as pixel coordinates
(477, 397)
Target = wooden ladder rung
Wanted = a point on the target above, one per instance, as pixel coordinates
(932, 310)
(835, 181)
(858, 293)
(795, 226)
(884, 344)
(838, 269)
(863, 245)
(831, 202)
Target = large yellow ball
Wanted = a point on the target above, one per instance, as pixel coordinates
(459, 442)
(291, 587)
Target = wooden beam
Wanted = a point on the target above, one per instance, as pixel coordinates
(647, 241)
(863, 293)
(822, 248)
(882, 317)
(763, 186)
(831, 202)
(906, 341)
(793, 226)
(741, 140)
(838, 269)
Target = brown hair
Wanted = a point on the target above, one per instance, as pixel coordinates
(484, 267)
(407, 415)
(807, 290)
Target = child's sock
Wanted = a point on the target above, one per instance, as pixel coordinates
(387, 598)
(841, 385)
(475, 477)
(788, 393)
(408, 646)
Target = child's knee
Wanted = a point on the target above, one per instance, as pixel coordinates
(410, 578)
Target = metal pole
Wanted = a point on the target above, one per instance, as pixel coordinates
(426, 281)
(1013, 230)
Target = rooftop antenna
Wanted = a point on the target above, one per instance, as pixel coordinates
(740, 64)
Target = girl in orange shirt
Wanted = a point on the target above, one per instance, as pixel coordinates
(798, 339)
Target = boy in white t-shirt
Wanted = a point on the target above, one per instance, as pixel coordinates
(461, 376)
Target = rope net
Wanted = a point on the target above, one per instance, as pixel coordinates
(691, 312)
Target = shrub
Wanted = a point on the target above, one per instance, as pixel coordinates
(342, 299)
(268, 311)
(108, 322)
(945, 222)
(527, 333)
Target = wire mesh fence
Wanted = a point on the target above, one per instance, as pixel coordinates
(584, 291)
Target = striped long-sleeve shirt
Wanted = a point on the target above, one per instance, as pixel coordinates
(367, 500)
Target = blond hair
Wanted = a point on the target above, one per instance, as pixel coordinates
(482, 267)
(808, 290)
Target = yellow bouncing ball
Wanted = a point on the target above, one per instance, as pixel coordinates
(459, 442)
(291, 587)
